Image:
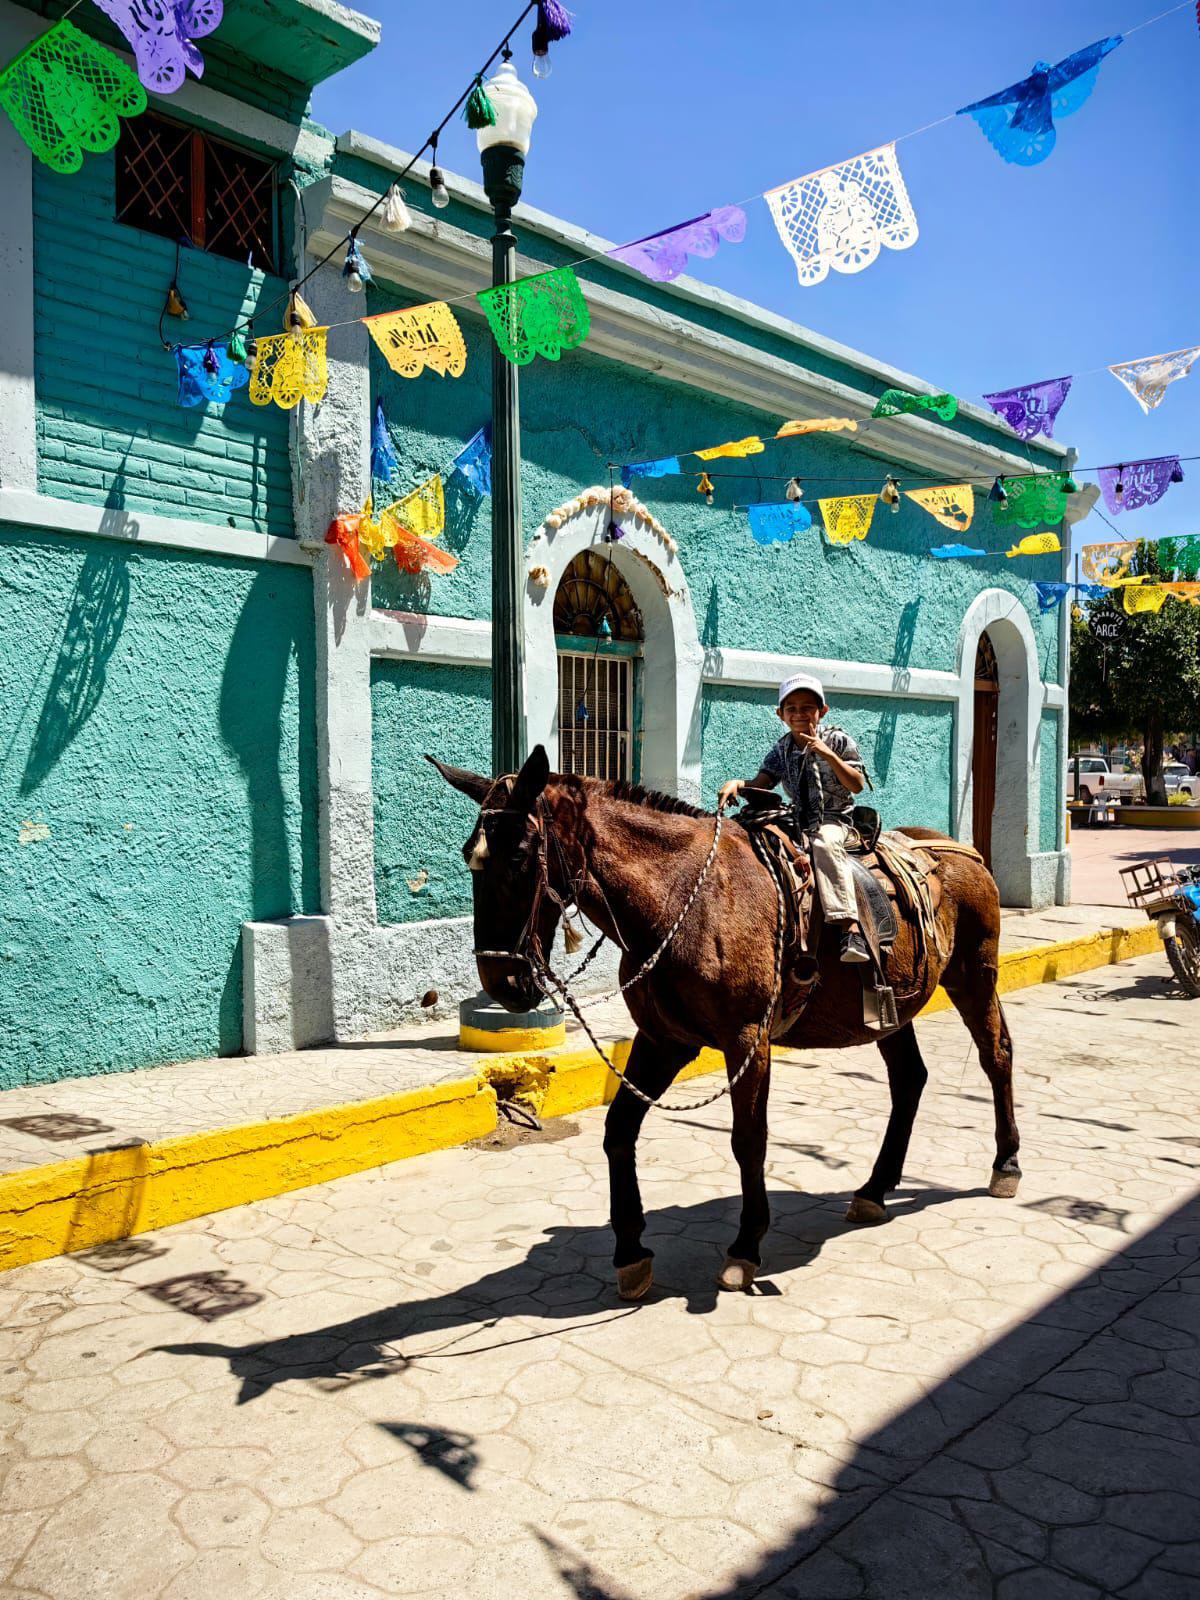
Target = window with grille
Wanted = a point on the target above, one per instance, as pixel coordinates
(595, 709)
(182, 183)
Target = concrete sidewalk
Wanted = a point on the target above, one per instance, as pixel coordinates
(87, 1160)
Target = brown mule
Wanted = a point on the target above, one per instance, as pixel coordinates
(628, 859)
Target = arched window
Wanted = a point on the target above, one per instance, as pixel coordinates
(983, 755)
(598, 635)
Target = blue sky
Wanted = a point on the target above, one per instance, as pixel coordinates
(657, 110)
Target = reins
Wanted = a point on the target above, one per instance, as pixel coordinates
(527, 948)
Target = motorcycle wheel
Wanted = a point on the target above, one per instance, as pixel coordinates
(1183, 952)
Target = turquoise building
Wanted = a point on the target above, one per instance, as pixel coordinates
(219, 832)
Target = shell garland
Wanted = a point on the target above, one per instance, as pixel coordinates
(619, 502)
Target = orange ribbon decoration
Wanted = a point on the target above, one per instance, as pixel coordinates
(343, 531)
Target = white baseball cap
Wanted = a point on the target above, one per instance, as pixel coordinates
(802, 680)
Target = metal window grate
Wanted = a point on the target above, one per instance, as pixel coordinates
(180, 182)
(600, 746)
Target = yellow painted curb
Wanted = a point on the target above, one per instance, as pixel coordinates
(495, 1039)
(111, 1194)
(71, 1205)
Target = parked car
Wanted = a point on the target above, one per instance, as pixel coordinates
(1097, 781)
(1175, 776)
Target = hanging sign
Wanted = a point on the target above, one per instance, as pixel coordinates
(1138, 483)
(841, 217)
(1107, 563)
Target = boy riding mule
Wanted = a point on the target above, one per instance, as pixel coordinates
(694, 909)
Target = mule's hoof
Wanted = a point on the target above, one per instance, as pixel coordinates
(737, 1274)
(1004, 1185)
(861, 1209)
(634, 1280)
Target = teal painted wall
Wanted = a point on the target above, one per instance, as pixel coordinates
(883, 601)
(907, 746)
(110, 431)
(420, 823)
(158, 784)
(1053, 753)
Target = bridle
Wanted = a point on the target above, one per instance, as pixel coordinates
(527, 947)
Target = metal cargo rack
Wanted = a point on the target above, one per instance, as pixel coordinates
(1156, 884)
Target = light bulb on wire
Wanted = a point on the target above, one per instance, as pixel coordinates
(438, 192)
(542, 67)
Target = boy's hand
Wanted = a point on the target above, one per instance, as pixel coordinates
(729, 792)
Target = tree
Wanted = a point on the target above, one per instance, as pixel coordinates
(1138, 675)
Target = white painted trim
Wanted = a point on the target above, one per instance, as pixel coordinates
(462, 641)
(18, 432)
(445, 641)
(146, 527)
(436, 259)
(672, 657)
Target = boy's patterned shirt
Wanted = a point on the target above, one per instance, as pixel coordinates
(809, 780)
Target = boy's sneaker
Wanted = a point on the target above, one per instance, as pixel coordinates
(854, 948)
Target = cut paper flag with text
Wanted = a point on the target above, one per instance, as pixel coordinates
(775, 524)
(1040, 497)
(290, 367)
(841, 217)
(1019, 121)
(1035, 544)
(1032, 408)
(895, 402)
(1149, 377)
(1050, 595)
(542, 315)
(161, 33)
(663, 256)
(66, 94)
(423, 510)
(1138, 483)
(206, 374)
(847, 517)
(953, 552)
(953, 504)
(798, 428)
(1107, 563)
(664, 467)
(473, 463)
(420, 337)
(737, 448)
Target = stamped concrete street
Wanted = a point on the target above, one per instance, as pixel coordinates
(419, 1380)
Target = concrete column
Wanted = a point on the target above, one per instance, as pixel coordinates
(18, 434)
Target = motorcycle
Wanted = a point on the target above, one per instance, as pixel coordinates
(1170, 896)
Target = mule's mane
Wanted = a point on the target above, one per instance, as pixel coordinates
(652, 799)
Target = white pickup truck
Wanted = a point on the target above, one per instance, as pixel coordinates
(1098, 782)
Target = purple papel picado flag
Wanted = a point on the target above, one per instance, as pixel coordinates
(1033, 407)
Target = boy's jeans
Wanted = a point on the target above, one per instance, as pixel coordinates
(831, 868)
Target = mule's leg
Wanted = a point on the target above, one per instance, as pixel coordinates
(749, 1141)
(652, 1067)
(984, 1018)
(907, 1077)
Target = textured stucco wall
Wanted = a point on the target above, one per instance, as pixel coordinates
(1051, 804)
(420, 823)
(906, 745)
(109, 429)
(159, 788)
(885, 600)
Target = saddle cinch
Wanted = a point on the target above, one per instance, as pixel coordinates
(887, 868)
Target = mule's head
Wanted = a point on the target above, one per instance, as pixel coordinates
(507, 855)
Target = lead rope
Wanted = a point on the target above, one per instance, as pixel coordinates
(545, 972)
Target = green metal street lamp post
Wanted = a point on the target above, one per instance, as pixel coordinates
(503, 148)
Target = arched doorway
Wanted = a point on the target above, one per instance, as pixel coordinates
(598, 634)
(983, 755)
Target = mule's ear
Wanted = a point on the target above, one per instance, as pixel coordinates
(531, 780)
(471, 784)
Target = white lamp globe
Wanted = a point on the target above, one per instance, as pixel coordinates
(515, 110)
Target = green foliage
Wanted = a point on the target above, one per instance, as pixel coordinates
(1139, 675)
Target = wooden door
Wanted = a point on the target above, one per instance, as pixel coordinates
(983, 755)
